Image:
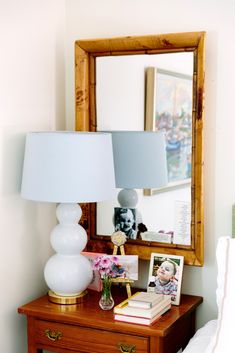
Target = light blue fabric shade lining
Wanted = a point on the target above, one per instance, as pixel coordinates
(139, 159)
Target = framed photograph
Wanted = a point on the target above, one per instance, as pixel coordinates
(130, 264)
(96, 283)
(168, 271)
(169, 109)
(125, 221)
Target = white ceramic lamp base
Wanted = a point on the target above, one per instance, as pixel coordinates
(128, 198)
(68, 273)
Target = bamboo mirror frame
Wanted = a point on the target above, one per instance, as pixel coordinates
(86, 52)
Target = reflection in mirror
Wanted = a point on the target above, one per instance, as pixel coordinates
(169, 97)
(117, 112)
(123, 79)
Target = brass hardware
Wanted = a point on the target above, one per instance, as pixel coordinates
(62, 300)
(127, 348)
(53, 335)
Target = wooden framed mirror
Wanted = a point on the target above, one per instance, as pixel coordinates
(87, 55)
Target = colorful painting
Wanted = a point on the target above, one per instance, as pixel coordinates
(169, 109)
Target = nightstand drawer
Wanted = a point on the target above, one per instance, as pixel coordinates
(84, 339)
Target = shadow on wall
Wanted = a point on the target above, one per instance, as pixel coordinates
(143, 274)
(12, 161)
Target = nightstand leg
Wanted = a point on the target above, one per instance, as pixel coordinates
(31, 333)
(193, 323)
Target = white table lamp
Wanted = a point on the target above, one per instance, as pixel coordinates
(67, 168)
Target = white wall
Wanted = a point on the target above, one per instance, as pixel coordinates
(105, 18)
(32, 97)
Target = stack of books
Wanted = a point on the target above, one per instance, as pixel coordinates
(142, 308)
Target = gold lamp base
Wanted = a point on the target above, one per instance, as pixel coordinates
(57, 299)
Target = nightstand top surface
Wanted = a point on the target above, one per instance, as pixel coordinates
(89, 314)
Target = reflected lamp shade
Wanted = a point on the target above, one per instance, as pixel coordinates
(139, 162)
(67, 168)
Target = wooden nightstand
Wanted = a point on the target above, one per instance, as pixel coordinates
(87, 328)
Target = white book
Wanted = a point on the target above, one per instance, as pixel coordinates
(145, 299)
(124, 309)
(141, 320)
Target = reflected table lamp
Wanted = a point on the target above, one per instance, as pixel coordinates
(139, 162)
(67, 168)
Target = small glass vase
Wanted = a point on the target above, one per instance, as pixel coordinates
(106, 301)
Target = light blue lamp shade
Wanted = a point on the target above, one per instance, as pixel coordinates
(68, 167)
(139, 159)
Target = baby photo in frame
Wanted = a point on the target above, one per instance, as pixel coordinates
(125, 221)
(168, 272)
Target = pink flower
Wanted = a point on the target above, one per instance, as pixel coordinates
(96, 266)
(105, 262)
(114, 259)
(108, 266)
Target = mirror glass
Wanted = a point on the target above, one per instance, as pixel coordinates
(125, 83)
(121, 90)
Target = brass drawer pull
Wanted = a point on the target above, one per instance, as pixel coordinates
(53, 335)
(126, 348)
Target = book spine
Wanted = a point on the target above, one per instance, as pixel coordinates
(131, 319)
(140, 320)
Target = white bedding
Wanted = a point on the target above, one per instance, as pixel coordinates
(200, 341)
(217, 335)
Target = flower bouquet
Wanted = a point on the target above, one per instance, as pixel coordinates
(108, 268)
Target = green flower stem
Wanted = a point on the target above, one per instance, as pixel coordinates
(106, 301)
(106, 287)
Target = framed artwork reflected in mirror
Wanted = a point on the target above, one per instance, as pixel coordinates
(169, 109)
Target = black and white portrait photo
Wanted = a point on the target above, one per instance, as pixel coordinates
(125, 221)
